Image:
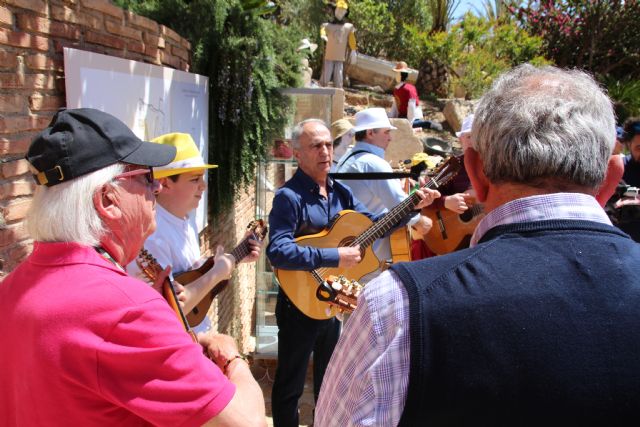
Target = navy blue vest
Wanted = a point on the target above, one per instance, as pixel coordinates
(540, 323)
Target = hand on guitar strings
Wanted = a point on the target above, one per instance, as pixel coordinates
(160, 278)
(457, 202)
(427, 197)
(255, 246)
(349, 256)
(224, 263)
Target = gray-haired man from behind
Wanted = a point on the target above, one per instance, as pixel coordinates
(537, 322)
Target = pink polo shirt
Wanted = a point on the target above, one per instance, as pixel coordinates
(82, 343)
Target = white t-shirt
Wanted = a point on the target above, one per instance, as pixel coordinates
(175, 243)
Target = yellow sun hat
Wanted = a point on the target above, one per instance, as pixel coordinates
(188, 157)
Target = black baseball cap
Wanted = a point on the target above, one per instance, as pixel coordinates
(83, 140)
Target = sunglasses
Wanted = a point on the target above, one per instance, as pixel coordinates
(147, 172)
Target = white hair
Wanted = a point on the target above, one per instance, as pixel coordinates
(65, 212)
(545, 124)
(298, 130)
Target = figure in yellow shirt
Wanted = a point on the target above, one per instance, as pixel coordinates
(337, 36)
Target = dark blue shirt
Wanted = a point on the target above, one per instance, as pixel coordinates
(299, 210)
(631, 171)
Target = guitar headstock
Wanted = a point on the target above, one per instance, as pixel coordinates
(445, 172)
(148, 264)
(259, 228)
(340, 292)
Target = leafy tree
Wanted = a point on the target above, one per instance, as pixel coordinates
(248, 58)
(442, 14)
(375, 26)
(598, 35)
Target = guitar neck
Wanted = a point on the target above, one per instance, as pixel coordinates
(242, 250)
(393, 217)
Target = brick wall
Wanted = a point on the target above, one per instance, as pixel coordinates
(33, 34)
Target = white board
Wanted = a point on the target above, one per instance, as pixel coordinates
(150, 99)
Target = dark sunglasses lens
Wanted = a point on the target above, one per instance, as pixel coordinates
(150, 176)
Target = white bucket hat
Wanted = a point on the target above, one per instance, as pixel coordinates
(372, 118)
(467, 123)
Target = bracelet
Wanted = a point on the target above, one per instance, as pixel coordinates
(237, 356)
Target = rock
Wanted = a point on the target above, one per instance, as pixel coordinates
(404, 142)
(355, 98)
(455, 110)
(380, 101)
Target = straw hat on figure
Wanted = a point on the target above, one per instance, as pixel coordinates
(338, 35)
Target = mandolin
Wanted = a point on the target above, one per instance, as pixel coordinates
(350, 229)
(258, 232)
(150, 267)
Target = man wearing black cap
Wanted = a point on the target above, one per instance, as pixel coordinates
(96, 346)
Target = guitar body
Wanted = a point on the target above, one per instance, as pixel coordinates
(451, 231)
(300, 286)
(400, 242)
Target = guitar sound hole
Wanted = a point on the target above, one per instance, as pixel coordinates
(466, 216)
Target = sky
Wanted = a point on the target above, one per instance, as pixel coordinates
(468, 5)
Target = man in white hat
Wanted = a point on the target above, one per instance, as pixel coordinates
(373, 135)
(175, 242)
(406, 104)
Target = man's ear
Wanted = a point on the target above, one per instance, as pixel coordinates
(105, 203)
(475, 169)
(615, 170)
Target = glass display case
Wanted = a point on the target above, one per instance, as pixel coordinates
(272, 173)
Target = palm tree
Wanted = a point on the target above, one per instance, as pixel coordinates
(442, 13)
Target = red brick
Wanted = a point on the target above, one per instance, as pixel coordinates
(104, 40)
(11, 103)
(43, 62)
(17, 188)
(39, 81)
(185, 44)
(15, 168)
(104, 6)
(184, 66)
(63, 13)
(19, 39)
(179, 52)
(170, 60)
(12, 234)
(93, 22)
(5, 16)
(39, 102)
(168, 32)
(35, 5)
(15, 124)
(42, 25)
(59, 45)
(15, 145)
(135, 46)
(120, 30)
(153, 40)
(8, 59)
(141, 21)
(11, 80)
(15, 210)
(153, 53)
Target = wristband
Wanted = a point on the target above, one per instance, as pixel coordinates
(237, 356)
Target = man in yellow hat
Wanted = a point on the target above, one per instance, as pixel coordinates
(175, 242)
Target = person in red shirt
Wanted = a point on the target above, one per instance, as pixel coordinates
(406, 104)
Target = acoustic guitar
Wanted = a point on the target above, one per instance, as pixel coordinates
(258, 232)
(350, 229)
(451, 231)
(150, 267)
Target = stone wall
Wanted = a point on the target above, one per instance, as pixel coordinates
(33, 34)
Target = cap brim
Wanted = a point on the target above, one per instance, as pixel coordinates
(150, 154)
(157, 174)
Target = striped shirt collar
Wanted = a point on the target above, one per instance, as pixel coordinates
(541, 208)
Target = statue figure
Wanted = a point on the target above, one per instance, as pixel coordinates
(338, 35)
